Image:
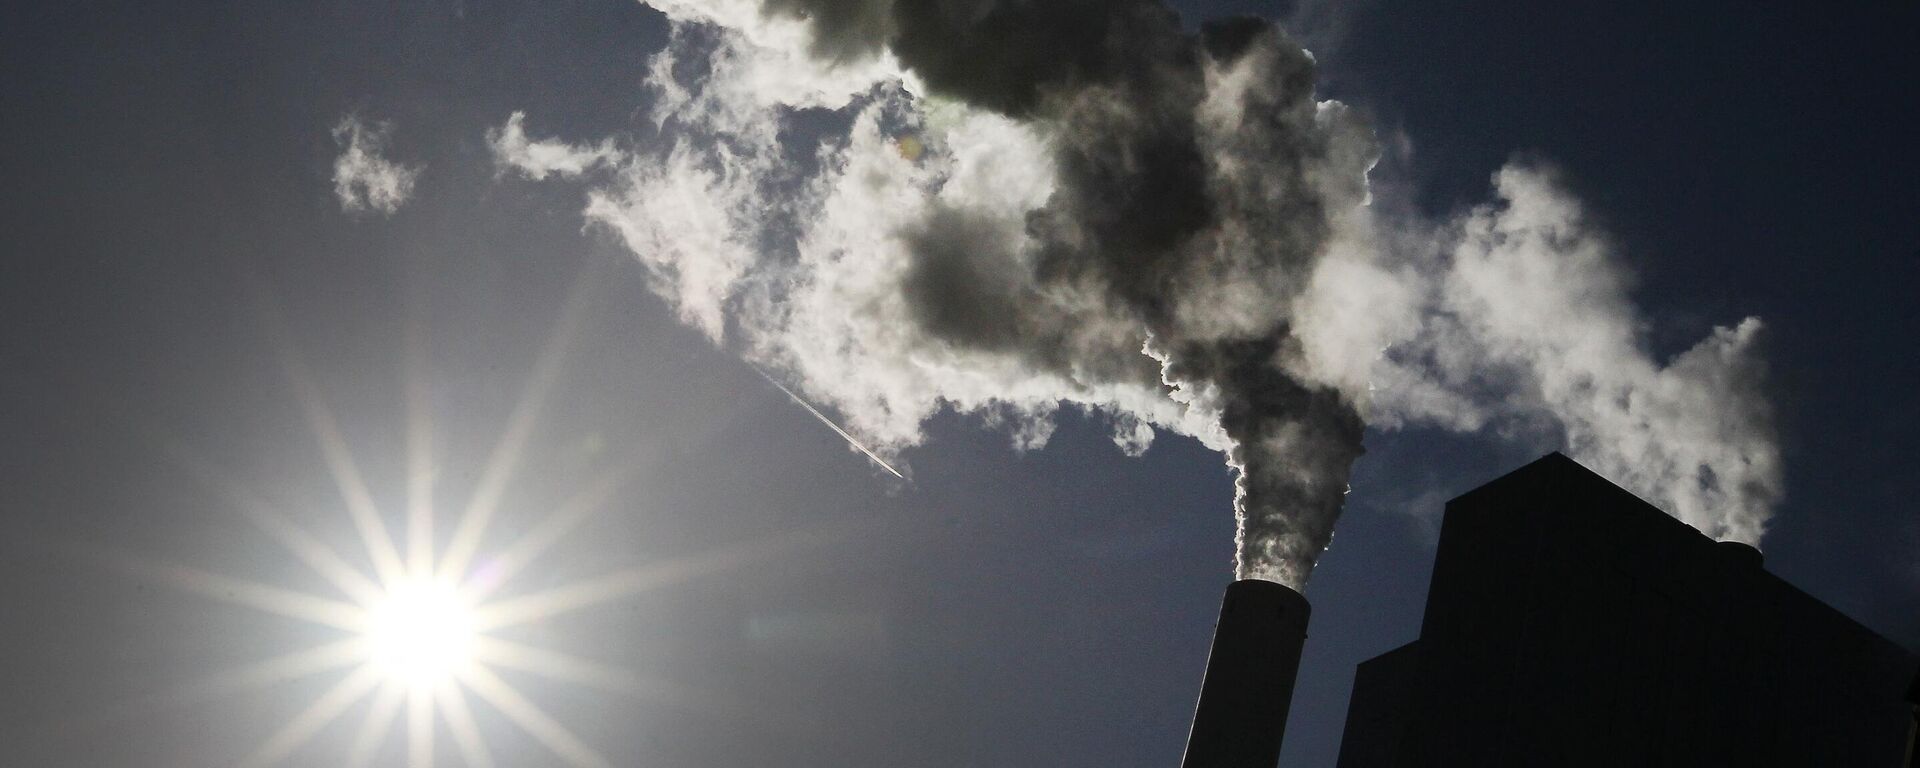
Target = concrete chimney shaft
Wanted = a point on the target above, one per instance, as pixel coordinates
(1248, 687)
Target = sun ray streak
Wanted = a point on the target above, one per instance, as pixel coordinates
(505, 458)
(325, 709)
(567, 668)
(375, 727)
(276, 600)
(333, 447)
(553, 528)
(613, 586)
(286, 666)
(319, 557)
(537, 723)
(466, 733)
(420, 468)
(560, 667)
(293, 665)
(353, 489)
(419, 727)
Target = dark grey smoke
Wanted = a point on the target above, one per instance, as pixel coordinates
(1009, 56)
(1293, 444)
(1147, 220)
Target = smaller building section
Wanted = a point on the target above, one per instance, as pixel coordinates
(1570, 623)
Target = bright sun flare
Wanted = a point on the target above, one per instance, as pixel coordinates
(425, 633)
(421, 632)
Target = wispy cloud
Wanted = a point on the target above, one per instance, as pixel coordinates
(539, 159)
(363, 179)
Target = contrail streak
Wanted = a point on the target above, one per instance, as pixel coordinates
(829, 422)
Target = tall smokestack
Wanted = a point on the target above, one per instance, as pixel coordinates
(1249, 682)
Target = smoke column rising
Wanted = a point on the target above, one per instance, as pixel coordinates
(1007, 207)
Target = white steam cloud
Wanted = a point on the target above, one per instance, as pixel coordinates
(1526, 324)
(363, 179)
(1161, 227)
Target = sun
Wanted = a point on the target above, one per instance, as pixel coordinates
(415, 635)
(421, 632)
(420, 624)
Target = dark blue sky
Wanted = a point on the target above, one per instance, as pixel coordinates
(1050, 608)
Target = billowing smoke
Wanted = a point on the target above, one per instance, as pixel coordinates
(1012, 206)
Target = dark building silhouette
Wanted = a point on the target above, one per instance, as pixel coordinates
(1569, 623)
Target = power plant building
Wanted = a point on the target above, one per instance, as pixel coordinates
(1570, 623)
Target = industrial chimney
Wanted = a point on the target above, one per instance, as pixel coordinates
(1249, 682)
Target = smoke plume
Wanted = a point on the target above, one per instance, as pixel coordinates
(1008, 207)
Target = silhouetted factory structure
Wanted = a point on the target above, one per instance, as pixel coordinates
(1569, 623)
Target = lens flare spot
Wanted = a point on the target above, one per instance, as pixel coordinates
(911, 148)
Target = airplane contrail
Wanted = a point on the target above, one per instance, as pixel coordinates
(829, 422)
